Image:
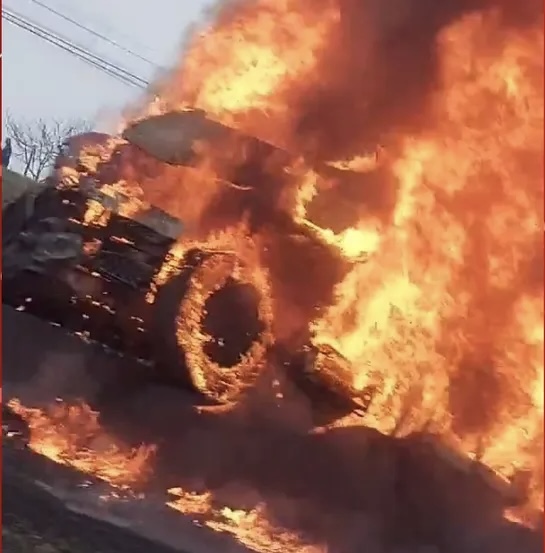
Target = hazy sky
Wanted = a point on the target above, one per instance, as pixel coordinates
(41, 80)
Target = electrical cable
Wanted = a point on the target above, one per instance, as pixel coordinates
(76, 50)
(96, 33)
(58, 39)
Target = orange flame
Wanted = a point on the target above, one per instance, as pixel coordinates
(448, 313)
(446, 316)
(71, 435)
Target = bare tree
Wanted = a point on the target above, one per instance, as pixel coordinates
(36, 143)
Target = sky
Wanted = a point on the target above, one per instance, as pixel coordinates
(41, 80)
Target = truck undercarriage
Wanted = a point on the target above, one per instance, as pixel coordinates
(86, 260)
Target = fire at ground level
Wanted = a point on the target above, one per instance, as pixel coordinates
(209, 482)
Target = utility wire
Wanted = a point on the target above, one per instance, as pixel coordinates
(81, 53)
(95, 33)
(44, 32)
(61, 46)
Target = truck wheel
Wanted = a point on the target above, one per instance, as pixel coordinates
(212, 326)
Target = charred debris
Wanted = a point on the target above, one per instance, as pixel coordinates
(93, 275)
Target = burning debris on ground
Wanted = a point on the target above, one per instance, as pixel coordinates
(328, 223)
(252, 476)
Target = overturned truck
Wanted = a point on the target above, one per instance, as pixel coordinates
(85, 259)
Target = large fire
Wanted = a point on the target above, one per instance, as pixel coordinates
(446, 315)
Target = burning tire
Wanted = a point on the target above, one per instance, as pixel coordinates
(325, 377)
(212, 326)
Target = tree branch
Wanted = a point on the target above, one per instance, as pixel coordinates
(36, 144)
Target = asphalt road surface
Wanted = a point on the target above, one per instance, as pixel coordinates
(351, 489)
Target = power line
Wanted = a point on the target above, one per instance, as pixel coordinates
(67, 47)
(95, 33)
(81, 53)
(57, 39)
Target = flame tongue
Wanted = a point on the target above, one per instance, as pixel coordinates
(70, 435)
